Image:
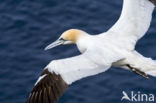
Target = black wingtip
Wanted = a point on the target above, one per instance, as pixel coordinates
(49, 89)
(153, 1)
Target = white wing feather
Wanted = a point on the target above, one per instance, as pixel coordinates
(134, 21)
(75, 68)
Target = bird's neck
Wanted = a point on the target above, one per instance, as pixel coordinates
(82, 43)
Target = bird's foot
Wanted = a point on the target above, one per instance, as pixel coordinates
(138, 72)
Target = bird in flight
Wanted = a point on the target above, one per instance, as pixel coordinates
(116, 48)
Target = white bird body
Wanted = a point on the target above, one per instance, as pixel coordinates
(116, 47)
(104, 52)
(96, 53)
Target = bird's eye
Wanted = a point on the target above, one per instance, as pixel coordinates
(62, 39)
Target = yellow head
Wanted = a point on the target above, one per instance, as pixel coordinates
(72, 35)
(68, 37)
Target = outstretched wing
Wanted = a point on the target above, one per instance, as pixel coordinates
(134, 21)
(59, 74)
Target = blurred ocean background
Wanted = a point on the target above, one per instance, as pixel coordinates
(27, 26)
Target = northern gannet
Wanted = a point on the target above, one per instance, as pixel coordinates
(116, 47)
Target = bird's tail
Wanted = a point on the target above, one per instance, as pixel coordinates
(146, 65)
(152, 73)
(149, 66)
(151, 69)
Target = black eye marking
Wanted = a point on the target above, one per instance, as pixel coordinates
(62, 39)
